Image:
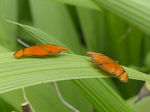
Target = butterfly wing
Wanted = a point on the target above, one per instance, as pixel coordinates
(116, 70)
(53, 48)
(109, 65)
(39, 50)
(34, 50)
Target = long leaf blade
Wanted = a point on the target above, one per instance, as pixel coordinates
(17, 73)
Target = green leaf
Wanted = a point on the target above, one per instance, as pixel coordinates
(9, 10)
(82, 3)
(22, 72)
(101, 95)
(134, 11)
(92, 24)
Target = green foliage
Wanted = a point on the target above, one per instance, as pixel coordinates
(112, 27)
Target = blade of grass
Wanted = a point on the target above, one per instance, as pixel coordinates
(116, 27)
(135, 12)
(81, 3)
(17, 73)
(146, 50)
(92, 25)
(135, 52)
(103, 97)
(9, 9)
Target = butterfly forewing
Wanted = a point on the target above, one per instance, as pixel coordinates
(53, 48)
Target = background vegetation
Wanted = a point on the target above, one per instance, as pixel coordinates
(118, 29)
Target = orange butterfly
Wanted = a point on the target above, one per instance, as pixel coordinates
(40, 50)
(109, 65)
